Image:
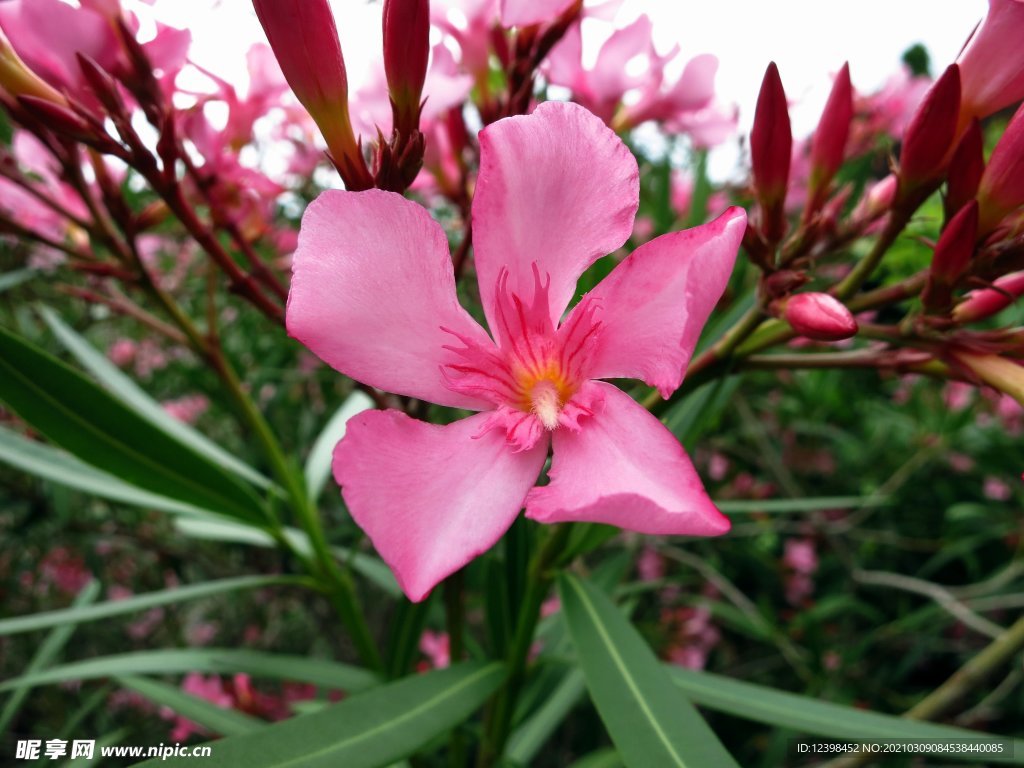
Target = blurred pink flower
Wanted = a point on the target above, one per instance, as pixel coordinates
(210, 689)
(693, 636)
(650, 566)
(435, 646)
(187, 409)
(373, 294)
(996, 489)
(122, 352)
(64, 570)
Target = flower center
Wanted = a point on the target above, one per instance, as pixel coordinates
(534, 369)
(546, 402)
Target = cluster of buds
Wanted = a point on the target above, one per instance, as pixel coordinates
(977, 267)
(305, 41)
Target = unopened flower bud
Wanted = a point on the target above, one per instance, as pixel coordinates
(16, 79)
(965, 170)
(828, 146)
(986, 302)
(406, 26)
(820, 317)
(992, 62)
(1001, 189)
(1000, 373)
(771, 149)
(876, 201)
(952, 256)
(931, 132)
(304, 39)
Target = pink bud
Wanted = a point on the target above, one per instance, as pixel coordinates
(992, 63)
(406, 51)
(305, 42)
(771, 147)
(828, 146)
(876, 201)
(987, 301)
(1001, 189)
(953, 254)
(965, 170)
(931, 131)
(820, 317)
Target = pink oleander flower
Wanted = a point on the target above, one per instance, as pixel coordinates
(437, 648)
(373, 294)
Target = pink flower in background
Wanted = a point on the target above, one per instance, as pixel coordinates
(373, 294)
(435, 646)
(695, 636)
(685, 105)
(650, 566)
(187, 409)
(996, 489)
(65, 570)
(800, 559)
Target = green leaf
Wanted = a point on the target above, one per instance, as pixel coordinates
(371, 567)
(57, 466)
(43, 657)
(814, 504)
(226, 722)
(371, 729)
(82, 418)
(15, 278)
(527, 740)
(84, 613)
(221, 661)
(602, 758)
(812, 716)
(129, 393)
(318, 464)
(649, 720)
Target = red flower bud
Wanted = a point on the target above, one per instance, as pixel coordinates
(406, 51)
(953, 254)
(820, 317)
(1001, 189)
(305, 42)
(987, 301)
(771, 148)
(931, 132)
(828, 146)
(965, 170)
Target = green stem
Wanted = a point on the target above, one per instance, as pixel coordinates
(455, 620)
(498, 719)
(944, 699)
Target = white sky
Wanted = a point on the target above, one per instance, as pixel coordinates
(808, 39)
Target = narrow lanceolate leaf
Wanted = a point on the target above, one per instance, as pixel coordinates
(371, 729)
(15, 278)
(60, 467)
(528, 738)
(132, 395)
(43, 657)
(84, 613)
(226, 722)
(820, 718)
(648, 718)
(373, 568)
(318, 465)
(78, 415)
(219, 661)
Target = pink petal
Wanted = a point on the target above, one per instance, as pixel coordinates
(610, 79)
(372, 289)
(624, 468)
(431, 498)
(558, 188)
(523, 13)
(696, 86)
(654, 304)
